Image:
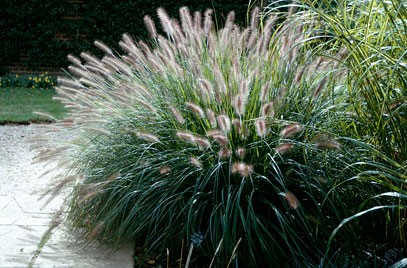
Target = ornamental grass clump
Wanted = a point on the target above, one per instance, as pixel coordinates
(232, 136)
(373, 35)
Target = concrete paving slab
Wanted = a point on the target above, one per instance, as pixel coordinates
(64, 250)
(11, 212)
(24, 221)
(38, 204)
(34, 220)
(27, 210)
(5, 200)
(19, 244)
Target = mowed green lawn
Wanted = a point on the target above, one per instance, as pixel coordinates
(19, 104)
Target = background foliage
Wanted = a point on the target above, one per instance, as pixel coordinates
(30, 27)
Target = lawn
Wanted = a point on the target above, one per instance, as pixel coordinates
(20, 104)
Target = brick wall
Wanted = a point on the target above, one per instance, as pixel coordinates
(19, 67)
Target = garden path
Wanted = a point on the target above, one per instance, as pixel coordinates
(34, 234)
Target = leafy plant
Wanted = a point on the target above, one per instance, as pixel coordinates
(373, 35)
(234, 136)
(43, 80)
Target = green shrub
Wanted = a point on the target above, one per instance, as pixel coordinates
(230, 139)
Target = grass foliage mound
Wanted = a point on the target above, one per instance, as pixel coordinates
(238, 141)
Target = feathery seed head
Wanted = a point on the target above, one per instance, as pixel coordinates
(78, 71)
(253, 38)
(254, 22)
(88, 83)
(128, 40)
(74, 60)
(178, 116)
(145, 49)
(237, 73)
(208, 23)
(291, 200)
(282, 91)
(328, 145)
(186, 21)
(95, 231)
(197, 21)
(202, 143)
(224, 153)
(91, 59)
(148, 21)
(165, 170)
(178, 36)
(146, 105)
(147, 137)
(102, 46)
(240, 128)
(237, 123)
(243, 39)
(261, 127)
(165, 22)
(195, 109)
(291, 130)
(244, 87)
(214, 132)
(284, 148)
(185, 136)
(299, 75)
(343, 53)
(113, 177)
(326, 142)
(241, 168)
(125, 47)
(267, 109)
(206, 88)
(195, 162)
(230, 20)
(117, 65)
(102, 70)
(220, 138)
(220, 80)
(267, 31)
(319, 87)
(85, 197)
(240, 152)
(265, 91)
(68, 82)
(239, 104)
(211, 117)
(224, 123)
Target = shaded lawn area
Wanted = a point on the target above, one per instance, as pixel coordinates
(18, 104)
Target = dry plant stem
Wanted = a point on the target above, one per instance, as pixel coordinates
(182, 252)
(168, 258)
(214, 255)
(191, 248)
(234, 253)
